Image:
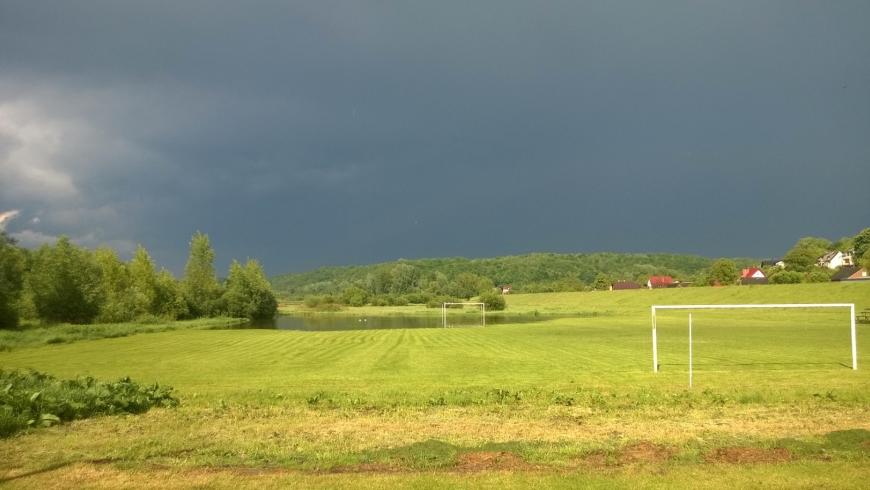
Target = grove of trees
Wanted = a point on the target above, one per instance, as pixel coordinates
(64, 283)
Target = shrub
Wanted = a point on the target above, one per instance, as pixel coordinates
(786, 277)
(354, 296)
(380, 300)
(39, 400)
(818, 276)
(397, 300)
(311, 301)
(493, 301)
(329, 307)
(419, 298)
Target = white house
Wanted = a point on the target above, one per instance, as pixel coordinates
(832, 260)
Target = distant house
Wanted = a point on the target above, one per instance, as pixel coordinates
(831, 260)
(622, 285)
(773, 263)
(752, 272)
(749, 281)
(506, 289)
(851, 273)
(656, 282)
(848, 258)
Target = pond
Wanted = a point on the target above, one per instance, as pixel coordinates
(327, 322)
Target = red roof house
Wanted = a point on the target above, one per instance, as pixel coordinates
(753, 272)
(656, 282)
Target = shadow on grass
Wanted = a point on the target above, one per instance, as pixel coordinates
(47, 469)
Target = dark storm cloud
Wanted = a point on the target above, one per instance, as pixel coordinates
(309, 134)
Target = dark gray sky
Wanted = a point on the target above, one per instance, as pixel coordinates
(307, 134)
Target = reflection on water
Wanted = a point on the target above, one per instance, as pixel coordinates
(326, 322)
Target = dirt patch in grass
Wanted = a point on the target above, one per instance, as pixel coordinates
(472, 462)
(748, 455)
(491, 461)
(646, 452)
(641, 452)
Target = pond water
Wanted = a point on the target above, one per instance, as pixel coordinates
(326, 322)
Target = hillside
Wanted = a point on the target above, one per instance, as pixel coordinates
(532, 272)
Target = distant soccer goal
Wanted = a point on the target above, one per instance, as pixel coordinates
(445, 306)
(655, 308)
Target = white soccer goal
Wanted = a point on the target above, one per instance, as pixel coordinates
(851, 307)
(444, 312)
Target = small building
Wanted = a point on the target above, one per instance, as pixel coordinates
(752, 272)
(749, 281)
(849, 258)
(506, 289)
(773, 263)
(657, 282)
(623, 285)
(851, 273)
(831, 260)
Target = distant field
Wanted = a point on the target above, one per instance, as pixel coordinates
(562, 403)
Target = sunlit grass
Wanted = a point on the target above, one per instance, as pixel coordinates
(552, 392)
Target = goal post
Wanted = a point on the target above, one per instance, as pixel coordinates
(444, 312)
(851, 307)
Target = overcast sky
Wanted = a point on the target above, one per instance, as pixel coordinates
(308, 134)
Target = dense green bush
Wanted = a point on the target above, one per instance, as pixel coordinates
(66, 283)
(247, 293)
(493, 301)
(786, 277)
(419, 298)
(354, 296)
(12, 269)
(33, 399)
(818, 276)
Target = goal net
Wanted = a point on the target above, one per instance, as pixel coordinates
(454, 315)
(733, 337)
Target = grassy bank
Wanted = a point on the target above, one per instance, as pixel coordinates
(46, 334)
(566, 402)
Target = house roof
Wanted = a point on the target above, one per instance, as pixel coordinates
(828, 257)
(660, 281)
(752, 272)
(849, 272)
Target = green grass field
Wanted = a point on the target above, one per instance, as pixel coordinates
(566, 403)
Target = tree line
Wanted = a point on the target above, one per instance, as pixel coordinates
(533, 273)
(64, 283)
(801, 262)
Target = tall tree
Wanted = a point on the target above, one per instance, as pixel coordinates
(465, 285)
(862, 242)
(143, 277)
(600, 283)
(65, 283)
(801, 259)
(724, 271)
(12, 269)
(120, 302)
(248, 293)
(169, 300)
(200, 284)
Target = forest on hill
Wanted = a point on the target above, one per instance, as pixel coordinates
(538, 272)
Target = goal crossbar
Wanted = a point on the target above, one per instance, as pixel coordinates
(851, 307)
(444, 312)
